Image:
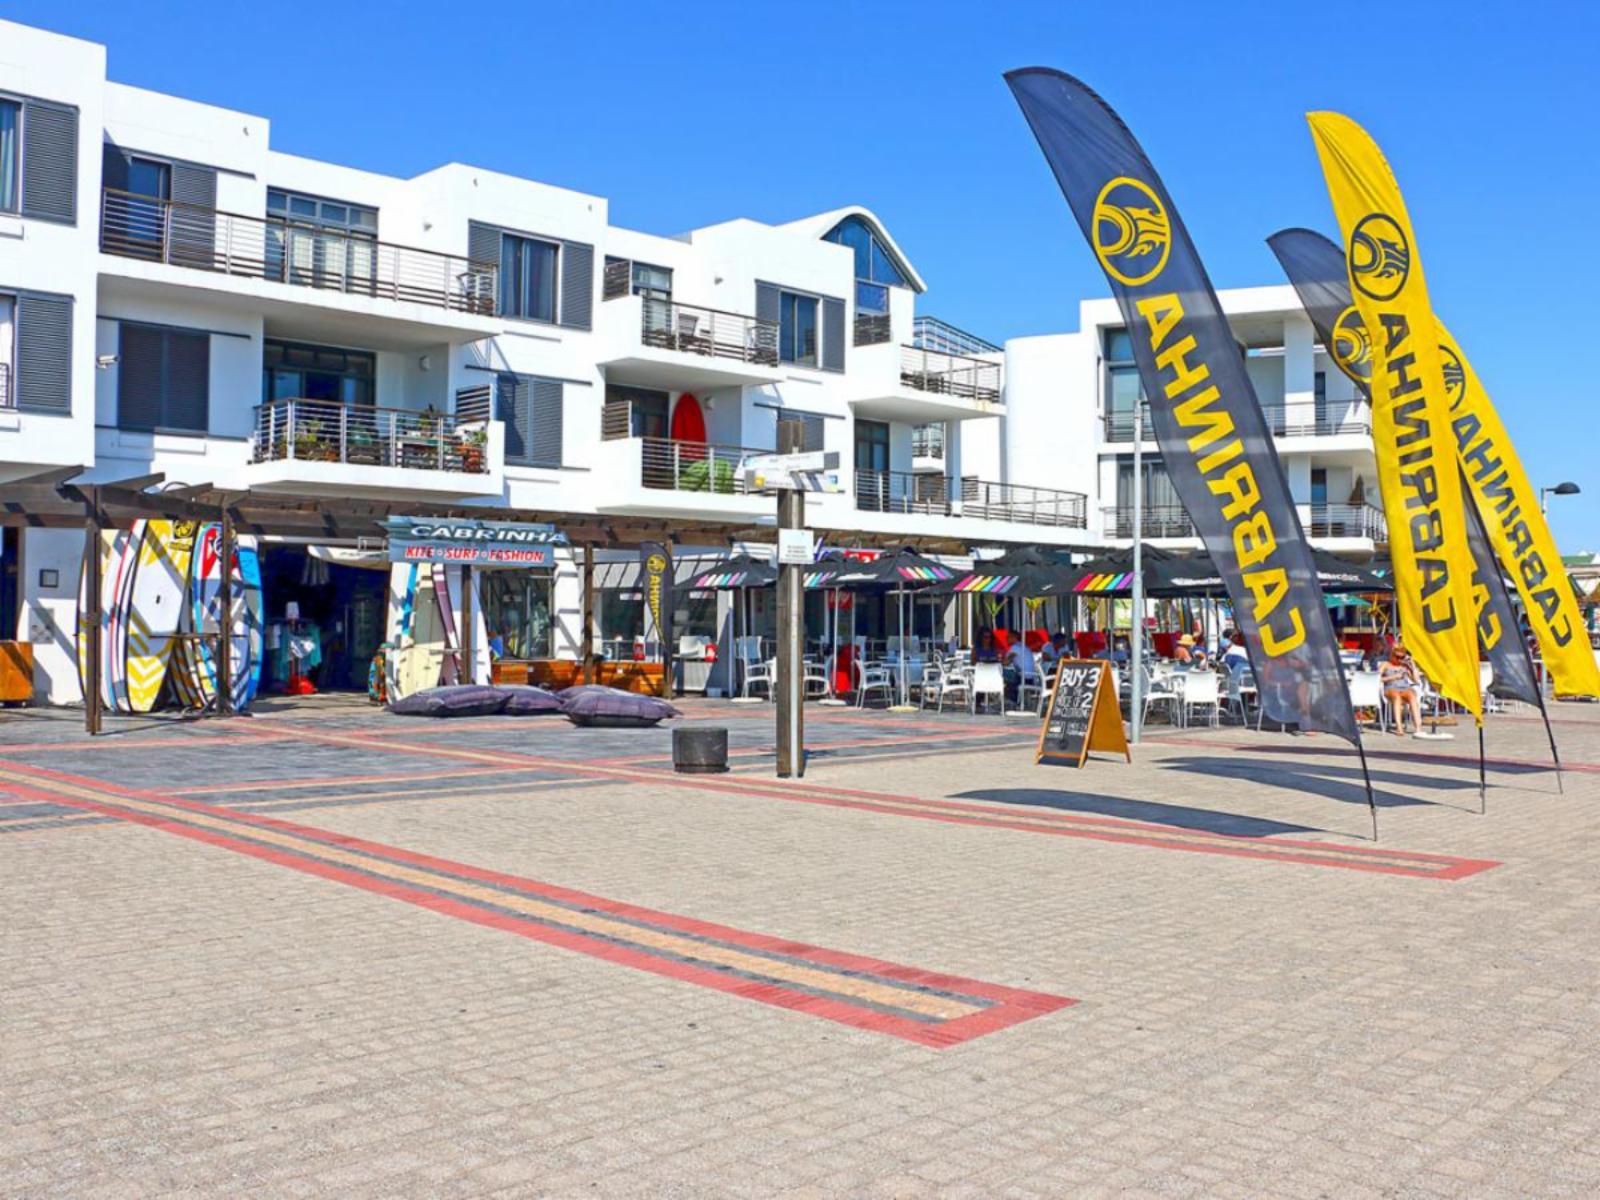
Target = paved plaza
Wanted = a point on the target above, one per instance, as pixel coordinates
(324, 951)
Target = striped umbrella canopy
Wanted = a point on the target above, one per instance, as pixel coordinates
(1168, 575)
(903, 568)
(741, 571)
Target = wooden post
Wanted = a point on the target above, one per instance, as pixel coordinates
(226, 550)
(668, 645)
(469, 663)
(791, 622)
(586, 639)
(89, 619)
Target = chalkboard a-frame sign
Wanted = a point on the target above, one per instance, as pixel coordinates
(1083, 714)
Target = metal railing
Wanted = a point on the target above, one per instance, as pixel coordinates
(7, 400)
(950, 374)
(1348, 521)
(1158, 521)
(1300, 420)
(939, 495)
(872, 329)
(693, 466)
(1326, 521)
(1029, 505)
(927, 441)
(930, 333)
(327, 431)
(207, 239)
(668, 325)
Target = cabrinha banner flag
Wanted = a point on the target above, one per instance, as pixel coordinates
(1510, 509)
(655, 565)
(1315, 266)
(1214, 440)
(1410, 414)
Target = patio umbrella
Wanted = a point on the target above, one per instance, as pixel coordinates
(897, 571)
(1167, 575)
(740, 574)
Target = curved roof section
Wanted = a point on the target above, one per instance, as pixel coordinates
(820, 224)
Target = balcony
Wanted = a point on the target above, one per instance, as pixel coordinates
(663, 476)
(1321, 521)
(921, 387)
(341, 272)
(349, 448)
(1285, 421)
(937, 495)
(654, 342)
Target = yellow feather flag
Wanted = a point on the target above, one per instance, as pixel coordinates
(1410, 411)
(1509, 506)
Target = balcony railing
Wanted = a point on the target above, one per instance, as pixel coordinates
(206, 239)
(950, 374)
(927, 441)
(930, 333)
(7, 400)
(1326, 521)
(693, 466)
(668, 325)
(872, 329)
(1348, 521)
(938, 495)
(1300, 420)
(327, 431)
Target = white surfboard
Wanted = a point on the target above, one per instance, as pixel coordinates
(422, 655)
(113, 544)
(160, 583)
(116, 595)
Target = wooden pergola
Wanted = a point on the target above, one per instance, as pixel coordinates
(55, 499)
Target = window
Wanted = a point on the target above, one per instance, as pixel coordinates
(8, 357)
(797, 329)
(654, 283)
(1123, 387)
(320, 243)
(874, 262)
(872, 445)
(10, 158)
(872, 298)
(647, 409)
(163, 379)
(528, 278)
(517, 613)
(291, 371)
(1319, 486)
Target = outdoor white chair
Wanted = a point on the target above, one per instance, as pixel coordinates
(1202, 690)
(987, 680)
(1241, 693)
(754, 670)
(873, 677)
(815, 682)
(1366, 691)
(1047, 686)
(955, 679)
(1491, 702)
(1030, 683)
(1159, 689)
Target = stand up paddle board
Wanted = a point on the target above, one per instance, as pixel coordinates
(160, 582)
(422, 658)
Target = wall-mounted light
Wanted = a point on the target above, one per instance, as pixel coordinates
(105, 362)
(425, 363)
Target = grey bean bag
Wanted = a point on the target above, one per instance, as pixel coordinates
(525, 701)
(611, 708)
(462, 700)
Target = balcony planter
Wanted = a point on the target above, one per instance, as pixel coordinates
(474, 443)
(708, 475)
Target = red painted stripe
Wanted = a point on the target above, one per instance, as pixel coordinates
(1010, 1005)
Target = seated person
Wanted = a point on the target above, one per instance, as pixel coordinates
(1184, 653)
(1236, 657)
(985, 650)
(1402, 686)
(1020, 665)
(1054, 650)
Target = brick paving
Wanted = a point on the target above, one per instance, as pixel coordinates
(186, 1014)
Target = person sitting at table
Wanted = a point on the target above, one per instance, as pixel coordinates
(1184, 651)
(1236, 657)
(985, 651)
(1401, 687)
(1020, 665)
(1054, 651)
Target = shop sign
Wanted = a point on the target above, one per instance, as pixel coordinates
(472, 543)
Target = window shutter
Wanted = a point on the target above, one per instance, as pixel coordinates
(545, 425)
(511, 408)
(113, 167)
(50, 162)
(577, 285)
(44, 354)
(483, 243)
(187, 390)
(767, 302)
(813, 433)
(194, 223)
(139, 373)
(832, 335)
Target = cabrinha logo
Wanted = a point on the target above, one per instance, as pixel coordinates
(1455, 375)
(1380, 258)
(1132, 235)
(1352, 348)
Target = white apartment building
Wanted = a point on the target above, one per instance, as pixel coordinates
(178, 297)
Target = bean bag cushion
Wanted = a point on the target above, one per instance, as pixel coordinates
(462, 700)
(611, 708)
(524, 701)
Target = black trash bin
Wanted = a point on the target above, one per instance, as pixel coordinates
(697, 750)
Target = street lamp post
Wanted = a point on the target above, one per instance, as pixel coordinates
(1567, 488)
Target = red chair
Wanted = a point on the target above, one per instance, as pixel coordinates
(1090, 642)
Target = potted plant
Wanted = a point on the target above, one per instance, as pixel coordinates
(308, 444)
(474, 443)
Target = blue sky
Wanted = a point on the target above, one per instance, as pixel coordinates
(688, 113)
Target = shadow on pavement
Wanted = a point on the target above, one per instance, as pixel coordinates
(1339, 783)
(1176, 816)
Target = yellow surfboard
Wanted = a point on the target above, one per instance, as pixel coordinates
(155, 608)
